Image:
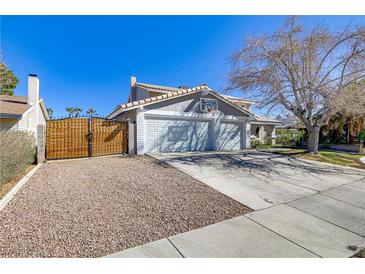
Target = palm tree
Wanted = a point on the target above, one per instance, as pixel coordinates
(91, 112)
(50, 113)
(78, 111)
(70, 111)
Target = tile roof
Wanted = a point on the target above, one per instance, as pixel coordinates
(13, 98)
(260, 119)
(158, 88)
(155, 99)
(168, 93)
(233, 98)
(13, 105)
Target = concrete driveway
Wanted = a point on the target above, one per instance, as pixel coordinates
(302, 208)
(260, 180)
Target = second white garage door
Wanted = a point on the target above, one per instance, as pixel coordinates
(230, 136)
(172, 135)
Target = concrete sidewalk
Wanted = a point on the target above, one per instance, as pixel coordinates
(237, 237)
(314, 226)
(277, 232)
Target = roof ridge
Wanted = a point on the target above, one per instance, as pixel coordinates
(157, 86)
(159, 97)
(263, 119)
(238, 98)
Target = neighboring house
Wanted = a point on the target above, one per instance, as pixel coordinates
(23, 112)
(169, 119)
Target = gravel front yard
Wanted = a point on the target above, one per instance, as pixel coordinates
(94, 207)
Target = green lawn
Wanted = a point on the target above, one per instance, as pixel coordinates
(327, 156)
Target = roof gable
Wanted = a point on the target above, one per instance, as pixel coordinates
(174, 94)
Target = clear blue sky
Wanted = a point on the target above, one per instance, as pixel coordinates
(86, 61)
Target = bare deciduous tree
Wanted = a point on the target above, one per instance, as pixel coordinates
(305, 70)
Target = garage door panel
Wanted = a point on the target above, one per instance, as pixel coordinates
(168, 135)
(230, 136)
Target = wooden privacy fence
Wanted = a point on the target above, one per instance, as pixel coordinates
(85, 137)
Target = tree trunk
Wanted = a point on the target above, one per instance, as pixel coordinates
(362, 149)
(313, 138)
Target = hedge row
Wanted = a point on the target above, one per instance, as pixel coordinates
(17, 152)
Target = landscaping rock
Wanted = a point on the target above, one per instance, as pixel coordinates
(94, 207)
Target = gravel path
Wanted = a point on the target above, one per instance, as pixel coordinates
(94, 207)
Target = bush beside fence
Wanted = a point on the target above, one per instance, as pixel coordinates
(289, 136)
(17, 152)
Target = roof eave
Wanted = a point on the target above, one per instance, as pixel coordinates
(247, 112)
(10, 115)
(198, 89)
(119, 111)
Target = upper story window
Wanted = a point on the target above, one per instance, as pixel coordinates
(208, 105)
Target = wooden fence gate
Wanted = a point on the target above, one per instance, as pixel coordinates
(85, 137)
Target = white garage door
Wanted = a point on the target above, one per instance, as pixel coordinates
(230, 136)
(169, 135)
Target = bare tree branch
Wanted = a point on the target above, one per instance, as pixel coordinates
(304, 70)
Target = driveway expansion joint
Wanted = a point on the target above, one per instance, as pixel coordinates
(325, 219)
(178, 251)
(284, 237)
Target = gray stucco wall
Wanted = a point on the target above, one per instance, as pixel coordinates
(191, 103)
(127, 116)
(139, 94)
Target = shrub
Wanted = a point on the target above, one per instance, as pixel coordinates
(362, 135)
(289, 136)
(255, 143)
(17, 151)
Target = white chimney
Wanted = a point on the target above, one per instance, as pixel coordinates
(33, 89)
(132, 94)
(133, 81)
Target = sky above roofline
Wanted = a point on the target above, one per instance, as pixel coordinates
(87, 61)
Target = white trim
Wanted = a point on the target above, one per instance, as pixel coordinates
(28, 110)
(232, 118)
(221, 97)
(153, 113)
(273, 123)
(8, 196)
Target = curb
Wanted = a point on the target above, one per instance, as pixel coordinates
(87, 158)
(318, 162)
(333, 165)
(8, 196)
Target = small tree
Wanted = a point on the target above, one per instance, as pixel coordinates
(8, 81)
(70, 111)
(91, 112)
(78, 111)
(302, 70)
(50, 113)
